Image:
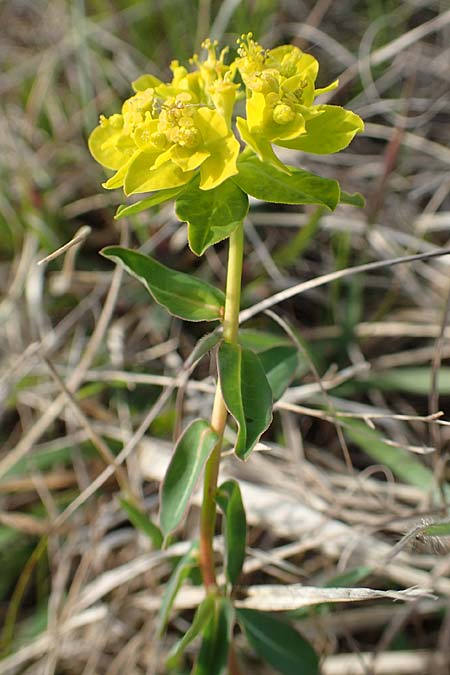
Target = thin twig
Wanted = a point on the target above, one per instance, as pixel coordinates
(78, 238)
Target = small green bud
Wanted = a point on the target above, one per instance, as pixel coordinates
(283, 114)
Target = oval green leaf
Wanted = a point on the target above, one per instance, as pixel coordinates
(247, 394)
(157, 198)
(280, 365)
(142, 522)
(191, 452)
(213, 655)
(229, 498)
(181, 294)
(258, 340)
(202, 617)
(264, 182)
(211, 215)
(278, 643)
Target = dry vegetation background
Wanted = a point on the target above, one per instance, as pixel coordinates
(90, 366)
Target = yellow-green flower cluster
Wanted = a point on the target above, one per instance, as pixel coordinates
(168, 132)
(280, 110)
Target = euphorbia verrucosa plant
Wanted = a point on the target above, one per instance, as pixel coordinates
(178, 140)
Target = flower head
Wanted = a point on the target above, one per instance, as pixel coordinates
(167, 132)
(280, 106)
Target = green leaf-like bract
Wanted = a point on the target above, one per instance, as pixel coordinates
(247, 394)
(201, 618)
(278, 643)
(141, 521)
(156, 198)
(212, 215)
(191, 452)
(212, 658)
(329, 132)
(264, 182)
(229, 498)
(181, 294)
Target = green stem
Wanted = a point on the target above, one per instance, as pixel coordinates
(219, 412)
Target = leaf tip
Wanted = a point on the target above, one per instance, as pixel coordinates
(107, 252)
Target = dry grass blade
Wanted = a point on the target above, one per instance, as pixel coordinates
(98, 442)
(287, 598)
(412, 662)
(247, 314)
(34, 650)
(399, 44)
(80, 587)
(79, 237)
(41, 426)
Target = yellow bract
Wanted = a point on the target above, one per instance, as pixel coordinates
(168, 132)
(280, 106)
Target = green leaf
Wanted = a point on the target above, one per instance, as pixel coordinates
(31, 627)
(301, 187)
(437, 530)
(213, 655)
(258, 340)
(181, 294)
(229, 498)
(202, 616)
(203, 346)
(212, 215)
(278, 643)
(247, 394)
(354, 199)
(411, 380)
(402, 463)
(294, 248)
(181, 571)
(142, 522)
(191, 452)
(157, 198)
(280, 365)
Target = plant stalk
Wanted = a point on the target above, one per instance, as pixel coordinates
(219, 412)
